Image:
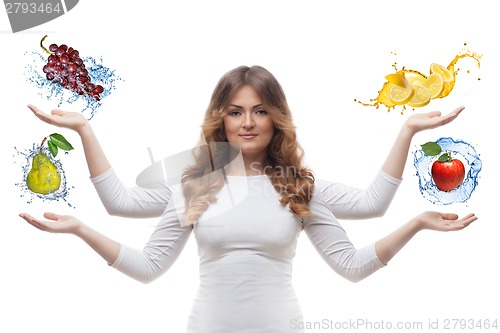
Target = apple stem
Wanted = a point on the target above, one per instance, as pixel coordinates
(445, 157)
(43, 47)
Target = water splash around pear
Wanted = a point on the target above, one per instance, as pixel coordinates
(26, 157)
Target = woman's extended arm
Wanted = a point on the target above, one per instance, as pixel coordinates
(116, 197)
(388, 246)
(396, 159)
(96, 159)
(333, 244)
(373, 201)
(159, 254)
(107, 248)
(348, 202)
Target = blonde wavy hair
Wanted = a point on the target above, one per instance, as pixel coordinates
(289, 177)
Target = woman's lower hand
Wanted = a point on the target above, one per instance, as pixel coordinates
(55, 223)
(444, 221)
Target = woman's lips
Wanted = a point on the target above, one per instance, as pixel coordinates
(248, 135)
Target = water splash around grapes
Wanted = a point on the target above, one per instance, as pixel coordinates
(98, 73)
(26, 158)
(459, 149)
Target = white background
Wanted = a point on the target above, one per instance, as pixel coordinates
(325, 54)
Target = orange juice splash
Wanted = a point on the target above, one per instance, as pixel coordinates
(386, 95)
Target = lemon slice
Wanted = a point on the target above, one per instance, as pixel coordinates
(415, 78)
(434, 84)
(448, 78)
(383, 95)
(401, 95)
(421, 97)
(444, 72)
(398, 79)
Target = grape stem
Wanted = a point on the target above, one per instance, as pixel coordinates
(43, 47)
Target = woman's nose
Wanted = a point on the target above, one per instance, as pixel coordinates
(248, 121)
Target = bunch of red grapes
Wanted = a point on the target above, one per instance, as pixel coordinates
(64, 66)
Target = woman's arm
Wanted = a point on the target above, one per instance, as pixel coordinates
(396, 159)
(348, 202)
(334, 246)
(118, 199)
(132, 202)
(159, 254)
(96, 159)
(373, 201)
(107, 248)
(389, 246)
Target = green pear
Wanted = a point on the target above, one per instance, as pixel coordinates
(43, 177)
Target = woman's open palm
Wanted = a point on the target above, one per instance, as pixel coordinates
(70, 120)
(57, 224)
(444, 221)
(423, 121)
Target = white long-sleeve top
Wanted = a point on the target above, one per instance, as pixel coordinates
(246, 244)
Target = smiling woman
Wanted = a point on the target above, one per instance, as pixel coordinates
(249, 127)
(247, 248)
(249, 110)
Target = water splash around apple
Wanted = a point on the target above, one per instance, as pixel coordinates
(461, 150)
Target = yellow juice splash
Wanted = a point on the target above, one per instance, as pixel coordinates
(417, 88)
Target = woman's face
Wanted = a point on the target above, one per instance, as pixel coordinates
(248, 125)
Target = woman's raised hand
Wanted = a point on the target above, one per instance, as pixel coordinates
(396, 159)
(96, 159)
(71, 120)
(422, 121)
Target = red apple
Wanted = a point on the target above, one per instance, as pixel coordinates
(447, 173)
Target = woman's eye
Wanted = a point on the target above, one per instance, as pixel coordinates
(261, 111)
(234, 113)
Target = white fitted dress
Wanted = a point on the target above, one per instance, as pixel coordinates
(246, 246)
